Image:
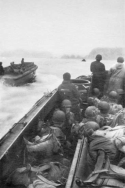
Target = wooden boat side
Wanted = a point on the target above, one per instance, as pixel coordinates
(81, 168)
(74, 166)
(41, 108)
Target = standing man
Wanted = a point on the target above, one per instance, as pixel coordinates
(99, 75)
(68, 90)
(117, 79)
(1, 69)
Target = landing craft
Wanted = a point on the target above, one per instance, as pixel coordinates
(19, 74)
(15, 146)
(13, 153)
(83, 60)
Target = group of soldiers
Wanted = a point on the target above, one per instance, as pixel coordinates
(103, 127)
(49, 151)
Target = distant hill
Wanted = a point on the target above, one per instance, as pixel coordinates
(24, 53)
(107, 53)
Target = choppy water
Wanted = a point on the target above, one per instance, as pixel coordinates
(15, 102)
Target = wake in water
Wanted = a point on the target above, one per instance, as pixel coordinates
(15, 102)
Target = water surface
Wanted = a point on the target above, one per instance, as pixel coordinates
(15, 102)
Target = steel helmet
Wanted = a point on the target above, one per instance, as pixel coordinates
(98, 57)
(103, 107)
(113, 95)
(58, 116)
(120, 59)
(91, 125)
(90, 112)
(120, 91)
(66, 103)
(90, 101)
(96, 91)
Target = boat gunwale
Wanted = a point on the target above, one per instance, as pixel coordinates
(23, 122)
(21, 75)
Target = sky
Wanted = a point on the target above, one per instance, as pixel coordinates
(61, 26)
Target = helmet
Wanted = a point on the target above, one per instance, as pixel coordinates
(96, 91)
(120, 91)
(91, 125)
(90, 112)
(66, 103)
(58, 116)
(98, 57)
(103, 107)
(113, 95)
(120, 59)
(90, 101)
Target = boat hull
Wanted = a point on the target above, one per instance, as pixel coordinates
(26, 77)
(19, 74)
(12, 152)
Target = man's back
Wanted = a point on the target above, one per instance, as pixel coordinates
(68, 90)
(1, 70)
(97, 67)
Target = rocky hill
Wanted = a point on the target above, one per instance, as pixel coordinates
(107, 53)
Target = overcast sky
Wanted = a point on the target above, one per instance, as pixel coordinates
(61, 26)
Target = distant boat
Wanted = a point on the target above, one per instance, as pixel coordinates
(19, 74)
(83, 60)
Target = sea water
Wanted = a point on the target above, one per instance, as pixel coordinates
(15, 102)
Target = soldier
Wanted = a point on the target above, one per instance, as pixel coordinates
(99, 74)
(68, 90)
(70, 118)
(94, 99)
(58, 127)
(1, 69)
(117, 77)
(107, 119)
(91, 113)
(113, 101)
(111, 142)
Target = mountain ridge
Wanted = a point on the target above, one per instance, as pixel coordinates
(107, 53)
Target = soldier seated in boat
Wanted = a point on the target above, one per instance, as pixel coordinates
(105, 148)
(91, 113)
(58, 121)
(105, 118)
(17, 68)
(113, 101)
(94, 99)
(70, 123)
(1, 69)
(56, 126)
(14, 68)
(70, 119)
(110, 140)
(68, 90)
